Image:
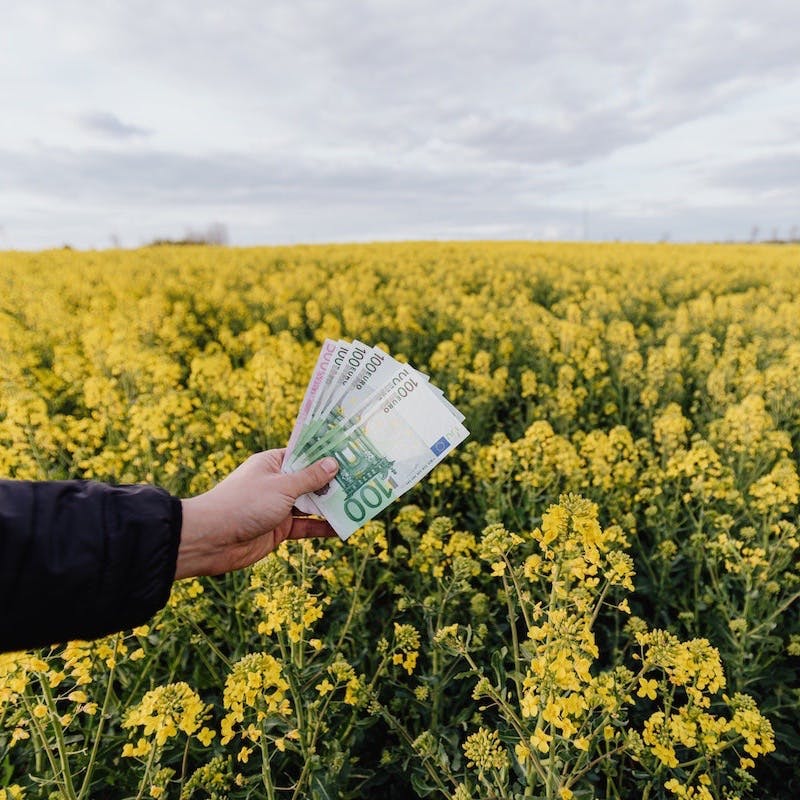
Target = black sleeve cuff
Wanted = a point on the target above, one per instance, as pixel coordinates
(79, 560)
(143, 526)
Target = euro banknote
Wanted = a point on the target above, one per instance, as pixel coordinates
(383, 421)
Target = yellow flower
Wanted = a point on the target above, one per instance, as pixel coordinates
(255, 686)
(647, 688)
(55, 678)
(141, 748)
(522, 752)
(406, 642)
(18, 735)
(165, 710)
(541, 740)
(206, 735)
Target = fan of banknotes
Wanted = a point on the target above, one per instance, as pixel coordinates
(383, 421)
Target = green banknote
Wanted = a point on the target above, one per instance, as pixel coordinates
(319, 430)
(383, 450)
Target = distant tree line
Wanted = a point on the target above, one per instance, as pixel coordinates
(214, 234)
(793, 237)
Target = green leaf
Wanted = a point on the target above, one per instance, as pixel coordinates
(421, 784)
(324, 786)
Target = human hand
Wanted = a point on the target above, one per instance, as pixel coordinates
(248, 515)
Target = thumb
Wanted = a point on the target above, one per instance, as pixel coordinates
(312, 478)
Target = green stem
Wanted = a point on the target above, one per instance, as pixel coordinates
(353, 604)
(288, 657)
(301, 649)
(510, 566)
(87, 778)
(58, 729)
(777, 612)
(599, 604)
(147, 769)
(210, 644)
(512, 621)
(436, 665)
(432, 771)
(311, 748)
(43, 739)
(591, 764)
(140, 677)
(266, 769)
(184, 764)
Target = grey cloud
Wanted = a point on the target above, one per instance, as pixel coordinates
(772, 173)
(163, 176)
(590, 135)
(284, 197)
(108, 124)
(294, 199)
(740, 48)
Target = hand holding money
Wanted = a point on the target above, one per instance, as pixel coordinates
(384, 422)
(248, 515)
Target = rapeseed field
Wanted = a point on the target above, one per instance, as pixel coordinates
(595, 597)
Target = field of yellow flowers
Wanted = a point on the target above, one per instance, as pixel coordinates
(595, 597)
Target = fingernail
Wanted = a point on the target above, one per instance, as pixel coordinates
(330, 465)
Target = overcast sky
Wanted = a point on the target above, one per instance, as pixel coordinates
(337, 120)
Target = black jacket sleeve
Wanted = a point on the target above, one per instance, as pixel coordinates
(80, 559)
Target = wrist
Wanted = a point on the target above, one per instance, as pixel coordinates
(195, 551)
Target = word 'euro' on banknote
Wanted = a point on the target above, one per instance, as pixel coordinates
(383, 421)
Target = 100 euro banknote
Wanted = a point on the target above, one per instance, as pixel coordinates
(385, 442)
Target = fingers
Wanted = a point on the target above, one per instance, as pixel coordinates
(307, 527)
(269, 460)
(311, 478)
